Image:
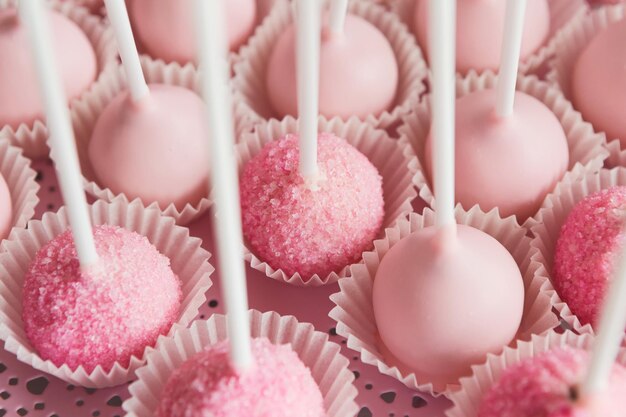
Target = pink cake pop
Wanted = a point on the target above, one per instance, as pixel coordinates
(19, 92)
(480, 26)
(104, 315)
(599, 81)
(164, 27)
(6, 209)
(277, 385)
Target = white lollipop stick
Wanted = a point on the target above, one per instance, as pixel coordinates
(213, 52)
(62, 140)
(118, 16)
(509, 56)
(308, 69)
(337, 18)
(442, 62)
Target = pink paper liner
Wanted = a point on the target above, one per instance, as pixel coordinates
(391, 158)
(547, 229)
(94, 6)
(467, 400)
(250, 71)
(16, 170)
(617, 156)
(354, 311)
(586, 147)
(188, 260)
(32, 137)
(562, 13)
(328, 367)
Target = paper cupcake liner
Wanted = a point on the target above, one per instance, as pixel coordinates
(390, 158)
(586, 148)
(562, 14)
(94, 6)
(188, 260)
(354, 311)
(20, 178)
(250, 72)
(617, 156)
(328, 367)
(467, 401)
(32, 137)
(547, 229)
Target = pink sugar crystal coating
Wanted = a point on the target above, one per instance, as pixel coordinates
(540, 387)
(297, 229)
(104, 315)
(279, 385)
(585, 252)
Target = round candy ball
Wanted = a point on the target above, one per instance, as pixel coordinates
(433, 294)
(6, 209)
(358, 72)
(480, 29)
(165, 28)
(590, 241)
(154, 150)
(103, 315)
(20, 97)
(598, 83)
(298, 229)
(278, 385)
(510, 163)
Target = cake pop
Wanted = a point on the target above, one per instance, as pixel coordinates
(164, 27)
(480, 26)
(19, 93)
(598, 82)
(6, 209)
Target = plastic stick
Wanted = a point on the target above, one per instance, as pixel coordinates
(337, 18)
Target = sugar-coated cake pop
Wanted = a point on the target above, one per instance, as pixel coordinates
(590, 241)
(153, 149)
(301, 230)
(546, 385)
(20, 100)
(511, 162)
(479, 30)
(165, 28)
(358, 72)
(6, 209)
(277, 385)
(433, 295)
(104, 315)
(598, 83)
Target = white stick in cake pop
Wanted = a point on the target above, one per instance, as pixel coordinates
(118, 16)
(510, 55)
(337, 16)
(62, 140)
(211, 37)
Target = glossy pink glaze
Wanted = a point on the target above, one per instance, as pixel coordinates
(165, 28)
(480, 28)
(509, 163)
(443, 302)
(599, 82)
(278, 385)
(20, 100)
(154, 150)
(358, 72)
(6, 209)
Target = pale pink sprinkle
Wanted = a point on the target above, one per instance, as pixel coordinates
(542, 386)
(278, 385)
(296, 229)
(105, 315)
(590, 239)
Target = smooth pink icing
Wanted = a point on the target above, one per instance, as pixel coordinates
(6, 209)
(20, 100)
(599, 81)
(590, 241)
(358, 72)
(165, 28)
(510, 163)
(278, 385)
(443, 302)
(297, 229)
(154, 150)
(541, 386)
(104, 315)
(480, 29)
